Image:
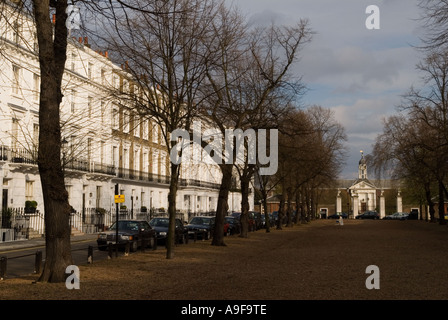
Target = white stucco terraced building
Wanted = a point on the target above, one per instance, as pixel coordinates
(104, 142)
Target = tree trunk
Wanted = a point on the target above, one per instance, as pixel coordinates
(244, 207)
(308, 206)
(289, 209)
(267, 219)
(298, 209)
(430, 202)
(222, 207)
(52, 56)
(281, 213)
(302, 208)
(441, 204)
(174, 179)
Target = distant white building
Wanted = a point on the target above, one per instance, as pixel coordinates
(363, 191)
(104, 143)
(365, 194)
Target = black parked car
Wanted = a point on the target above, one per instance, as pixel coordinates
(257, 219)
(132, 231)
(270, 221)
(251, 224)
(413, 215)
(368, 215)
(234, 225)
(160, 225)
(201, 225)
(338, 215)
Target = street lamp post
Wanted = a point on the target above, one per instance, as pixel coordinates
(349, 192)
(64, 143)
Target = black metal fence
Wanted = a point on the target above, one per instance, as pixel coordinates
(19, 224)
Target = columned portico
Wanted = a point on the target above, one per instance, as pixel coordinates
(399, 202)
(361, 195)
(363, 191)
(382, 205)
(365, 195)
(355, 204)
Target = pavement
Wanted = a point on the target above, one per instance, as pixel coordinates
(38, 242)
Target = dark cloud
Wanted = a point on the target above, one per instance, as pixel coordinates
(360, 73)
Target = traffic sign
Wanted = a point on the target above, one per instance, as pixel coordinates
(119, 198)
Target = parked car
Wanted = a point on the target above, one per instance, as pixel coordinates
(369, 215)
(233, 225)
(270, 221)
(201, 225)
(397, 216)
(275, 218)
(160, 225)
(132, 231)
(250, 219)
(258, 222)
(413, 215)
(338, 215)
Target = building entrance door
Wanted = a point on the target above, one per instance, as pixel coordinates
(5, 199)
(363, 207)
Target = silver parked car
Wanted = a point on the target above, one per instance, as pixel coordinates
(397, 216)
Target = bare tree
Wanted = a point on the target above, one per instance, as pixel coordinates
(313, 154)
(399, 153)
(250, 74)
(416, 141)
(52, 40)
(435, 21)
(429, 106)
(164, 59)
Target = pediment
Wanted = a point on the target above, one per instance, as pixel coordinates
(362, 184)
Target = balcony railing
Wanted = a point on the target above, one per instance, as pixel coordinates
(27, 157)
(16, 155)
(142, 176)
(91, 167)
(198, 183)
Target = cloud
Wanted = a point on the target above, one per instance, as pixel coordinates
(266, 17)
(359, 73)
(352, 70)
(364, 117)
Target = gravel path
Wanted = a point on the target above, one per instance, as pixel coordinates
(318, 261)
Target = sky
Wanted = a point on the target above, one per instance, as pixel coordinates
(359, 73)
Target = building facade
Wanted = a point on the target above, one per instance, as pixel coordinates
(357, 196)
(105, 143)
(363, 194)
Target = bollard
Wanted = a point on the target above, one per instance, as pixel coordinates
(154, 247)
(127, 248)
(90, 255)
(38, 262)
(110, 251)
(195, 236)
(3, 261)
(143, 245)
